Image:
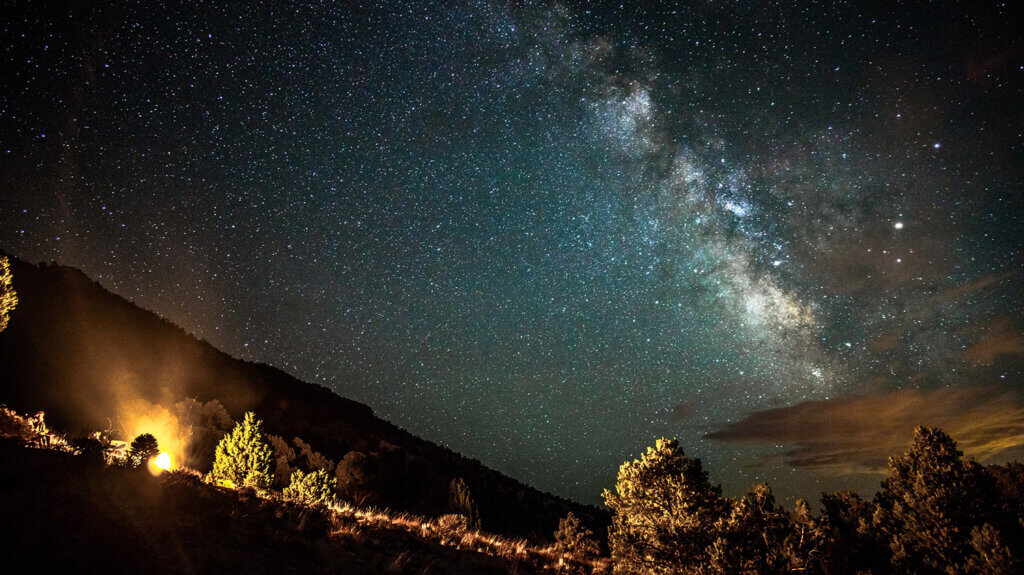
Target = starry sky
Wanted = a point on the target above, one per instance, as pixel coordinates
(545, 234)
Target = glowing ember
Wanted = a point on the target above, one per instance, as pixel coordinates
(163, 461)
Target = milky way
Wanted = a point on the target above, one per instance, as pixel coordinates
(546, 234)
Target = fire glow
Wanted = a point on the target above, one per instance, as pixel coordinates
(163, 461)
(160, 463)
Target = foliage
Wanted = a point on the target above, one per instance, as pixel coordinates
(665, 510)
(937, 513)
(243, 456)
(805, 539)
(92, 448)
(8, 297)
(752, 539)
(461, 502)
(451, 527)
(313, 459)
(930, 503)
(313, 488)
(13, 424)
(573, 539)
(848, 545)
(989, 554)
(284, 456)
(204, 424)
(142, 448)
(357, 473)
(1009, 480)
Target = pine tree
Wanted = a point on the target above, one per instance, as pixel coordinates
(313, 488)
(849, 544)
(753, 537)
(142, 448)
(243, 457)
(8, 297)
(665, 511)
(930, 503)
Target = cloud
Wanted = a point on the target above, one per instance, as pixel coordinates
(858, 434)
(683, 410)
(970, 287)
(1002, 338)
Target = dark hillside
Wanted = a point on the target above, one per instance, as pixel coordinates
(61, 514)
(89, 358)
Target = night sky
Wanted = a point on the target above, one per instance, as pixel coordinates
(546, 234)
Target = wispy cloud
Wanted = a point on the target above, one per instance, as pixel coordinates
(859, 433)
(1001, 338)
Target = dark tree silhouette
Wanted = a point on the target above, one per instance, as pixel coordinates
(848, 545)
(142, 448)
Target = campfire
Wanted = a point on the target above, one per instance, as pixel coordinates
(163, 461)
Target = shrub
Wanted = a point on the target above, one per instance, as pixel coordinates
(358, 475)
(243, 457)
(451, 527)
(92, 449)
(573, 539)
(313, 488)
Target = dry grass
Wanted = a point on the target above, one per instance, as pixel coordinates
(348, 520)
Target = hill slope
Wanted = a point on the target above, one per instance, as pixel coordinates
(90, 358)
(60, 510)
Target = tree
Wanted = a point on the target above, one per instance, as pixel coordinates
(8, 297)
(989, 554)
(930, 503)
(805, 539)
(848, 544)
(142, 448)
(664, 512)
(461, 502)
(575, 540)
(243, 457)
(357, 475)
(313, 488)
(752, 539)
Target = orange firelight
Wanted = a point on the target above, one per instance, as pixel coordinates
(160, 463)
(163, 461)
